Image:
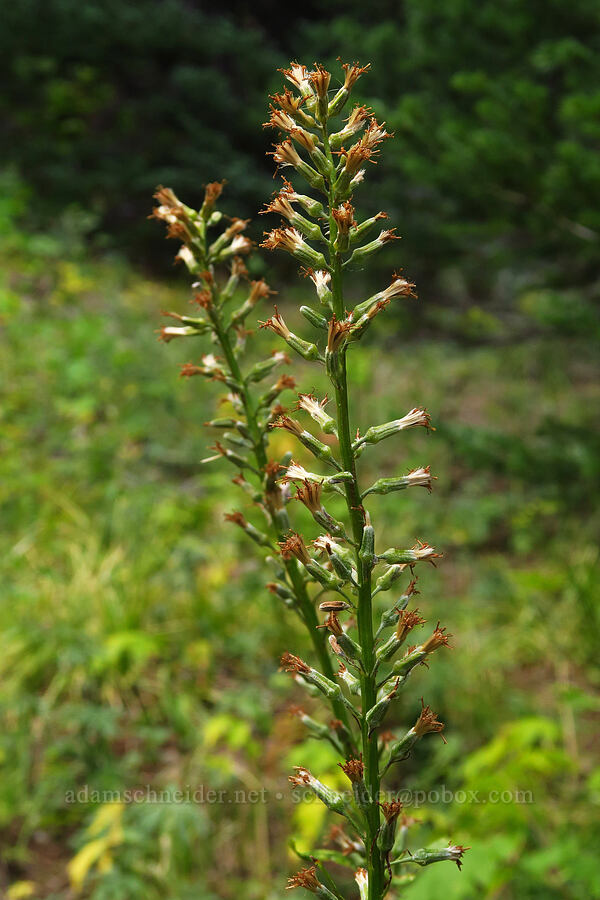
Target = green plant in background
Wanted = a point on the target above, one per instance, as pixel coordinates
(338, 572)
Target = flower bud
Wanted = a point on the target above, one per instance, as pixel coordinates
(376, 714)
(291, 240)
(385, 581)
(367, 547)
(315, 318)
(261, 369)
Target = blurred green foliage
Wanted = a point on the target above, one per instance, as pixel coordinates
(494, 176)
(139, 644)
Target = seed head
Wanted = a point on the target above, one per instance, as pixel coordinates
(425, 552)
(304, 138)
(298, 75)
(281, 205)
(357, 118)
(306, 878)
(455, 853)
(288, 102)
(438, 639)
(288, 239)
(320, 279)
(279, 119)
(354, 769)
(427, 722)
(237, 518)
(391, 810)
(399, 287)
(338, 836)
(291, 663)
(276, 324)
(212, 192)
(361, 877)
(353, 72)
(294, 546)
(285, 154)
(288, 424)
(319, 80)
(344, 217)
(408, 619)
(337, 334)
(310, 495)
(259, 290)
(296, 472)
(374, 135)
(203, 299)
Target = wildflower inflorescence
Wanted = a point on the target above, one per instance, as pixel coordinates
(358, 671)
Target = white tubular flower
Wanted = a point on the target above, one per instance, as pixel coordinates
(423, 551)
(299, 76)
(321, 280)
(210, 362)
(416, 416)
(400, 287)
(186, 256)
(285, 154)
(420, 477)
(240, 244)
(362, 879)
(316, 411)
(296, 472)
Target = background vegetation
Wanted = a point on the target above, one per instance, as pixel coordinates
(138, 640)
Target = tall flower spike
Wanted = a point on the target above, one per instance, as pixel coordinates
(345, 569)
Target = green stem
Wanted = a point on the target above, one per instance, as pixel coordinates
(375, 864)
(305, 605)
